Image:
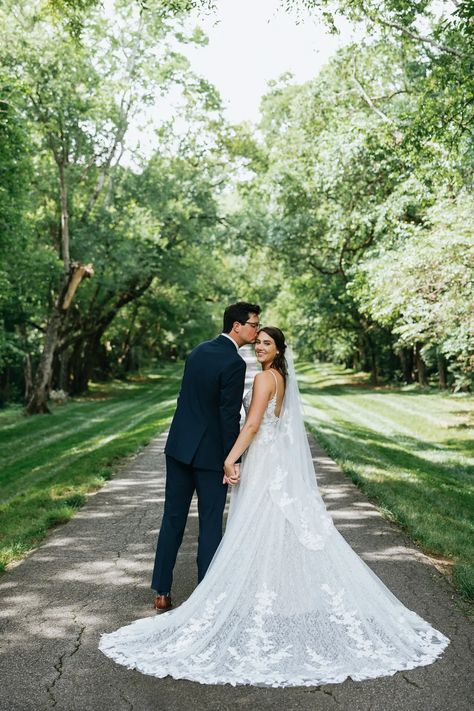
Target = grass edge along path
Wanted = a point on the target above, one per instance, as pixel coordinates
(51, 462)
(409, 450)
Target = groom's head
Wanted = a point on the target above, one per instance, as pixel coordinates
(241, 322)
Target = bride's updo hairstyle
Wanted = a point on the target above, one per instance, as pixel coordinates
(279, 362)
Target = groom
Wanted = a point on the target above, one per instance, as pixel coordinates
(204, 428)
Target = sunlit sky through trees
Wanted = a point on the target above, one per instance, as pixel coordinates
(250, 43)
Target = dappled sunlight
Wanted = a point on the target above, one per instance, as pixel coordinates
(98, 514)
(403, 458)
(142, 190)
(93, 574)
(361, 515)
(312, 411)
(66, 542)
(9, 585)
(362, 524)
(399, 446)
(394, 554)
(120, 570)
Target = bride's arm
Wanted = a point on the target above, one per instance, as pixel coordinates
(263, 386)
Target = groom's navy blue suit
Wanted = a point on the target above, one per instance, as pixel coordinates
(204, 428)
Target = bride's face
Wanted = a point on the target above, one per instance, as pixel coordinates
(265, 348)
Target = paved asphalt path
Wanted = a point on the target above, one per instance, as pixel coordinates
(93, 575)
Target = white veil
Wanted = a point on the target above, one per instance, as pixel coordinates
(285, 600)
(293, 487)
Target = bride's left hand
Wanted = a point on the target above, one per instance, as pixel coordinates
(231, 473)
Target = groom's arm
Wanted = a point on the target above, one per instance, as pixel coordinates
(230, 402)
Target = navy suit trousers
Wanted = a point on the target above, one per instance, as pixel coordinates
(182, 480)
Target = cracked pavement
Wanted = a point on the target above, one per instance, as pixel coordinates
(93, 575)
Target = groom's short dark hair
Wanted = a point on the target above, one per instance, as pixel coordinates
(238, 312)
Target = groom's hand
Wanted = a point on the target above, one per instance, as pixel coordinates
(231, 474)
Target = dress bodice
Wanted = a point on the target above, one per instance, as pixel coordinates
(269, 417)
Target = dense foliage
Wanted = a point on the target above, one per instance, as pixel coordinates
(366, 193)
(347, 214)
(106, 261)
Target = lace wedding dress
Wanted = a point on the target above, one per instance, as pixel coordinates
(285, 601)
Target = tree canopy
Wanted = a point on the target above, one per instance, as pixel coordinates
(347, 212)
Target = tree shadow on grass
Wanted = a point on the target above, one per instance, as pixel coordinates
(93, 575)
(432, 500)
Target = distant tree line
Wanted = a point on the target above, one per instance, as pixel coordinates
(105, 264)
(347, 215)
(364, 187)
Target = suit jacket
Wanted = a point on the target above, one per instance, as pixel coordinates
(207, 418)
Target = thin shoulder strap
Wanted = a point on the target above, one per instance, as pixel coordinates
(276, 382)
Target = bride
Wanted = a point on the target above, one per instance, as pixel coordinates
(285, 601)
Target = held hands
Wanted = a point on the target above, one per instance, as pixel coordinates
(231, 473)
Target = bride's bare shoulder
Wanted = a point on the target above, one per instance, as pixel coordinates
(263, 376)
(263, 380)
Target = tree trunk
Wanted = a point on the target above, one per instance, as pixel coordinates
(82, 340)
(442, 371)
(420, 366)
(28, 376)
(80, 372)
(83, 361)
(38, 402)
(63, 381)
(64, 217)
(406, 360)
(357, 355)
(369, 351)
(27, 370)
(374, 366)
(75, 368)
(127, 359)
(4, 386)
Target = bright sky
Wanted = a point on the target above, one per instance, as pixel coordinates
(250, 43)
(253, 41)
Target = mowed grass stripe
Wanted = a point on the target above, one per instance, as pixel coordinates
(377, 416)
(45, 454)
(429, 409)
(50, 429)
(413, 452)
(48, 483)
(418, 468)
(79, 447)
(432, 420)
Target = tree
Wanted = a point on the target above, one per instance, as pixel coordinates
(353, 170)
(78, 100)
(72, 13)
(423, 288)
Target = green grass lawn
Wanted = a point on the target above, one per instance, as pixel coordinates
(50, 462)
(410, 450)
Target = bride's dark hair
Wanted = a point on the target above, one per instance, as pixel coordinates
(279, 362)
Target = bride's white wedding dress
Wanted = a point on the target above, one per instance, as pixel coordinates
(285, 601)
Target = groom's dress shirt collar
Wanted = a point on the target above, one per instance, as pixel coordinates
(230, 339)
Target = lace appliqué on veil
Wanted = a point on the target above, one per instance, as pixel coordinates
(285, 601)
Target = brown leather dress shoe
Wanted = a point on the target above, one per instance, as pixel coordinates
(162, 603)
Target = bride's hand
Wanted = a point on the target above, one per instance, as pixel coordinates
(231, 473)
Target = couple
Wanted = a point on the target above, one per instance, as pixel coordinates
(285, 601)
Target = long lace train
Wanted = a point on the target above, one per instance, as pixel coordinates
(285, 601)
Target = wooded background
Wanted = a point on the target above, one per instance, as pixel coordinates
(347, 213)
